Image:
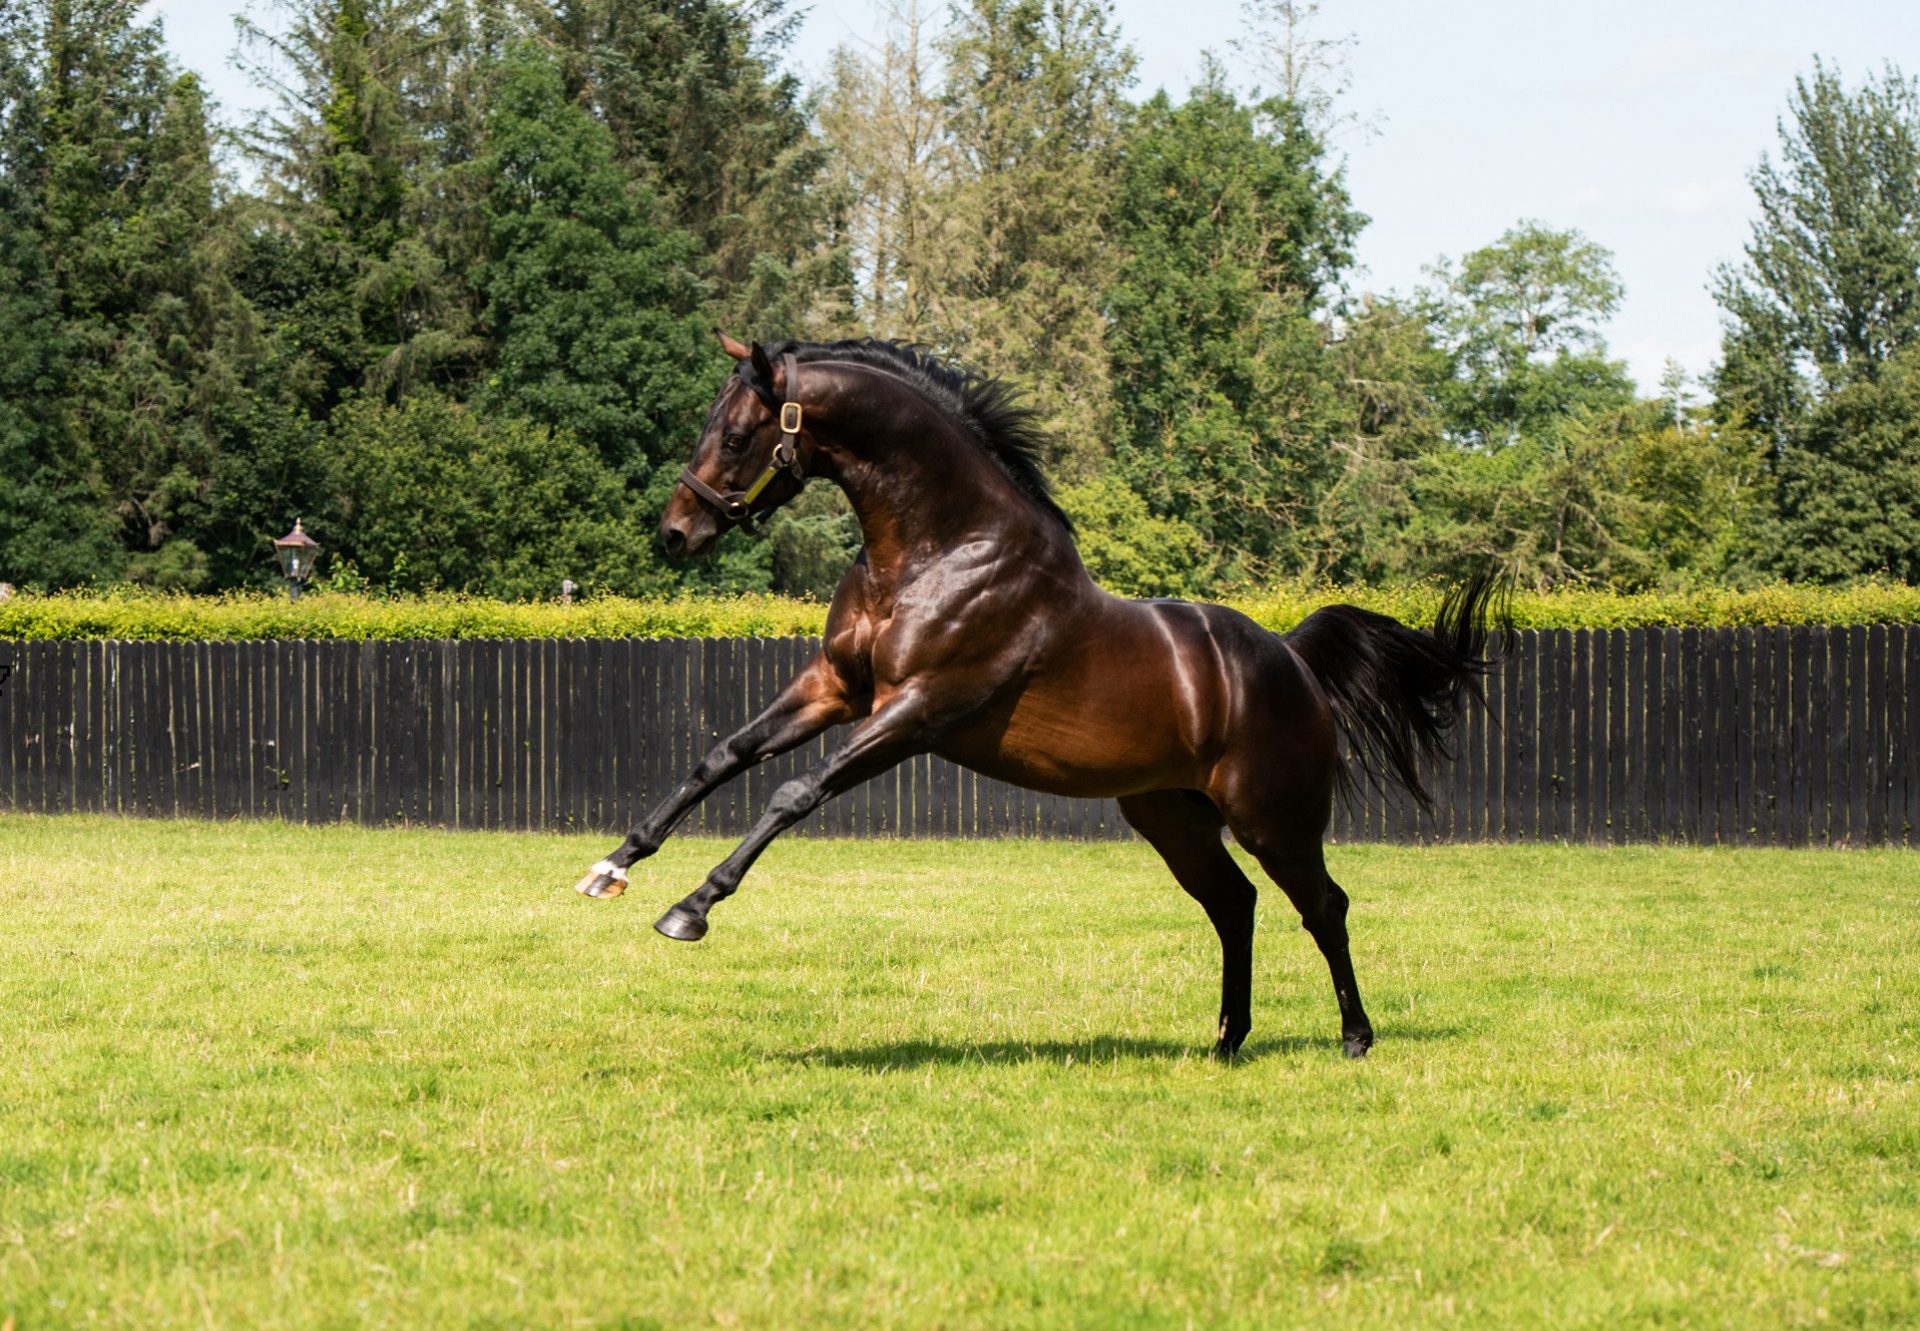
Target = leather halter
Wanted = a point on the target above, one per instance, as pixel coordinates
(737, 506)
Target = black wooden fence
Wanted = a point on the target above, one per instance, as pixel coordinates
(1775, 736)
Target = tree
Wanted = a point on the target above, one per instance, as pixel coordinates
(885, 119)
(368, 169)
(1230, 235)
(1521, 319)
(1036, 111)
(1827, 300)
(154, 332)
(698, 108)
(1531, 477)
(1306, 70)
(436, 497)
(1849, 482)
(1389, 376)
(589, 290)
(53, 529)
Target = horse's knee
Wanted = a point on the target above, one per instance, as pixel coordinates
(793, 798)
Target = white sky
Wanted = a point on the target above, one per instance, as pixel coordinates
(1635, 121)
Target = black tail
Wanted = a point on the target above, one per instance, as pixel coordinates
(1397, 692)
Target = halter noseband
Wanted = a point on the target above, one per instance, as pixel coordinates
(737, 506)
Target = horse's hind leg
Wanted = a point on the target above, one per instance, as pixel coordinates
(1184, 827)
(1295, 863)
(1283, 830)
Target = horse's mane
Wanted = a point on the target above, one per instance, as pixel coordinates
(1007, 429)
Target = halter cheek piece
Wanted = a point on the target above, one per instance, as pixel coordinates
(738, 506)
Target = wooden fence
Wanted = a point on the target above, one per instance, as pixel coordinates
(1802, 736)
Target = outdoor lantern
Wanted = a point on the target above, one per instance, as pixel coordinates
(296, 552)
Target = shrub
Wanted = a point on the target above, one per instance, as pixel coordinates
(132, 614)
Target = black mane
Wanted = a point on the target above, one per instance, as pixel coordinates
(1006, 428)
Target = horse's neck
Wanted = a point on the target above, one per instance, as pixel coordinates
(919, 485)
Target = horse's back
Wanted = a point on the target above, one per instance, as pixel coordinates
(1131, 696)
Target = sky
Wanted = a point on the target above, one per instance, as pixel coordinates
(1635, 121)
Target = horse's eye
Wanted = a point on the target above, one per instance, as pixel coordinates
(733, 443)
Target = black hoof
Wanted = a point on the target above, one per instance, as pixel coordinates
(1227, 1048)
(682, 924)
(1356, 1046)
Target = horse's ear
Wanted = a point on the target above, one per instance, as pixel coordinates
(757, 372)
(736, 349)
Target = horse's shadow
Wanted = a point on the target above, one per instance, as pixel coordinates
(1098, 1049)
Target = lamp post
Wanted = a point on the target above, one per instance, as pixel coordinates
(296, 552)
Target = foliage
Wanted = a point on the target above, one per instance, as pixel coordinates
(271, 1051)
(895, 162)
(1830, 289)
(1850, 481)
(53, 527)
(589, 289)
(1529, 475)
(1036, 114)
(1823, 329)
(1230, 232)
(117, 161)
(1521, 321)
(135, 615)
(438, 497)
(700, 110)
(1126, 548)
(531, 209)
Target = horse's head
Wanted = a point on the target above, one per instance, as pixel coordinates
(751, 457)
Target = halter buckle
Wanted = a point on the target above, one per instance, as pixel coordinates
(790, 417)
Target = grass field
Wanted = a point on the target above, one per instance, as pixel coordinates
(265, 1076)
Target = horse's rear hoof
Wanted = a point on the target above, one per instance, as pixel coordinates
(1356, 1046)
(681, 924)
(603, 880)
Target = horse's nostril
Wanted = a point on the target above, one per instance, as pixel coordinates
(676, 541)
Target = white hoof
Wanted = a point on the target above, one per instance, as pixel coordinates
(603, 880)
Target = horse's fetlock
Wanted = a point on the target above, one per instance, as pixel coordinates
(636, 847)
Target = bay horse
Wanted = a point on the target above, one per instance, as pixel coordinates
(968, 627)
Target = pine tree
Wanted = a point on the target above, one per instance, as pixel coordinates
(53, 527)
(1035, 92)
(589, 286)
(127, 205)
(885, 118)
(698, 107)
(371, 181)
(1827, 300)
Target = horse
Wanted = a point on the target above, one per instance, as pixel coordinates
(969, 628)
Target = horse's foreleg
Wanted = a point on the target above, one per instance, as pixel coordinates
(886, 738)
(809, 704)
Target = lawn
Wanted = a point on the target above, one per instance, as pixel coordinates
(264, 1076)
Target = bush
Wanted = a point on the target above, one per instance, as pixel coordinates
(132, 614)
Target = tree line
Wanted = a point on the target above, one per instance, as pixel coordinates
(449, 301)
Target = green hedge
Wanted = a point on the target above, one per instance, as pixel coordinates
(148, 617)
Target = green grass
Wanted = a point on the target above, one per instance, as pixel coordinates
(264, 1076)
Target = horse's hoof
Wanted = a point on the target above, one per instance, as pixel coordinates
(681, 924)
(1227, 1047)
(604, 880)
(1356, 1046)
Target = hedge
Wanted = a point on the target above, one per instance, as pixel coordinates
(129, 615)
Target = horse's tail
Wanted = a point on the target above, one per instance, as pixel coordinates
(1397, 692)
